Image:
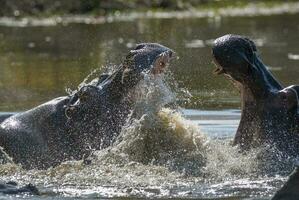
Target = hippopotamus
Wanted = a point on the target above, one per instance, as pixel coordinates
(71, 126)
(269, 110)
(290, 190)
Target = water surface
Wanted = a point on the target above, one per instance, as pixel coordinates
(40, 63)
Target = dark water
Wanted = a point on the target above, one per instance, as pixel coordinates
(39, 63)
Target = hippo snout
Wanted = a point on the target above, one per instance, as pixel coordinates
(150, 57)
(234, 56)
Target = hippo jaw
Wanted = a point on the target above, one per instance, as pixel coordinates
(269, 111)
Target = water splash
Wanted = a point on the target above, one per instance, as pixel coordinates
(225, 162)
(86, 81)
(159, 153)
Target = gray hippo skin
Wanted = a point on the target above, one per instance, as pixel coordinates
(269, 110)
(290, 190)
(70, 127)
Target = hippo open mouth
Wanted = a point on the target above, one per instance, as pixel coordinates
(269, 110)
(162, 63)
(149, 57)
(235, 57)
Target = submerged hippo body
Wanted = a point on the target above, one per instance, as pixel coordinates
(269, 110)
(70, 127)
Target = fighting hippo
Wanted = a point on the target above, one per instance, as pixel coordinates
(70, 127)
(269, 110)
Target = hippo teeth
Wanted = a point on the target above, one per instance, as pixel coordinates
(219, 71)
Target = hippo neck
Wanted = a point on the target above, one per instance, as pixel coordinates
(258, 86)
(255, 91)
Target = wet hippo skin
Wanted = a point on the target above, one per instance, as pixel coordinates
(70, 127)
(269, 109)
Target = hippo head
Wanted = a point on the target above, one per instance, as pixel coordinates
(102, 106)
(233, 56)
(146, 58)
(269, 111)
(237, 58)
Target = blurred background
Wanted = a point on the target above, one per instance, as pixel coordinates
(47, 46)
(103, 7)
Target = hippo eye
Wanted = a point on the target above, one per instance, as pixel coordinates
(83, 97)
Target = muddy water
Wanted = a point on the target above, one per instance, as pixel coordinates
(39, 63)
